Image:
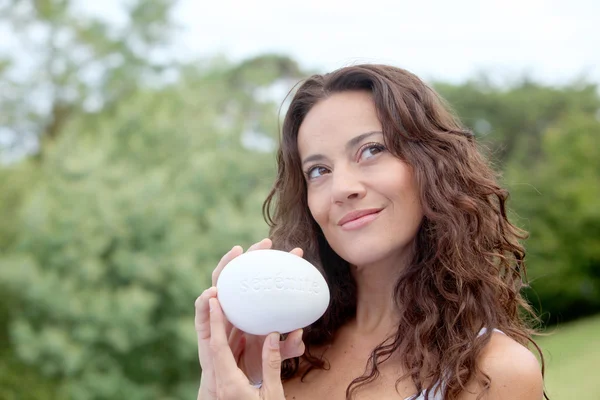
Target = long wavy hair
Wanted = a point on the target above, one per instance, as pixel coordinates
(469, 268)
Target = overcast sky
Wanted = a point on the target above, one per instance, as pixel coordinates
(554, 40)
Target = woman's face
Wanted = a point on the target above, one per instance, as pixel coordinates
(364, 199)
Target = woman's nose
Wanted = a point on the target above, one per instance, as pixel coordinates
(346, 185)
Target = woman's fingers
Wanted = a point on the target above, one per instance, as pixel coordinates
(230, 255)
(202, 319)
(298, 252)
(293, 346)
(237, 343)
(262, 245)
(272, 387)
(202, 323)
(272, 356)
(222, 348)
(226, 369)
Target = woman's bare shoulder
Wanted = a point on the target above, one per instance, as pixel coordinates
(513, 370)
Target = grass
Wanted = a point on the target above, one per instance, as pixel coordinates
(572, 355)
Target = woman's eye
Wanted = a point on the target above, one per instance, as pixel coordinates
(370, 151)
(316, 172)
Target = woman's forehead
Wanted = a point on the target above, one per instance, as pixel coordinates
(336, 120)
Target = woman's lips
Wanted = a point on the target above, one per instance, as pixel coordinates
(361, 221)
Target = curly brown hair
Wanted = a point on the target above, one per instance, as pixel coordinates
(469, 268)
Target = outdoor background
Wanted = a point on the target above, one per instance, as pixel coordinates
(136, 147)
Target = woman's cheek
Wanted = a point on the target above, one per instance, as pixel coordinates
(315, 208)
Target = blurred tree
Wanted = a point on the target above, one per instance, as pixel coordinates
(60, 60)
(133, 207)
(57, 62)
(546, 139)
(556, 199)
(511, 119)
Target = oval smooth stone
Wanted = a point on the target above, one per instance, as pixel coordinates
(264, 291)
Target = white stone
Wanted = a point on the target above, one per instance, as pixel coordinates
(264, 291)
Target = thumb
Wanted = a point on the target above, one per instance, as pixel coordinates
(272, 387)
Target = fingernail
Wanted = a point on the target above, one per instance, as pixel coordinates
(274, 340)
(211, 304)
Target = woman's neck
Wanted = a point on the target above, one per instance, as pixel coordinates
(376, 310)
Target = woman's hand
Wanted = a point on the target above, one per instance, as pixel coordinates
(231, 382)
(246, 349)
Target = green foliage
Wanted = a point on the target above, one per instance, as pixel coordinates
(15, 182)
(545, 140)
(511, 120)
(17, 379)
(111, 232)
(75, 62)
(132, 211)
(558, 198)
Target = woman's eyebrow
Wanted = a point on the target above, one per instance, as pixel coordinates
(351, 144)
(355, 141)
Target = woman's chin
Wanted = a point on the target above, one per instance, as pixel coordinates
(368, 255)
(362, 259)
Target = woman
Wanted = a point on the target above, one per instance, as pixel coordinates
(381, 187)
